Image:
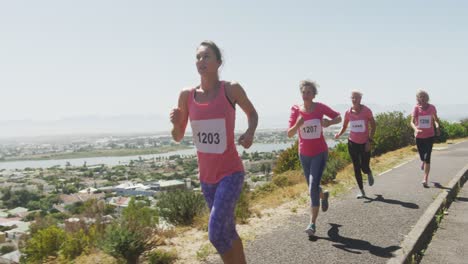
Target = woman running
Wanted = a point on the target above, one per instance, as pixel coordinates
(307, 120)
(362, 130)
(210, 106)
(423, 121)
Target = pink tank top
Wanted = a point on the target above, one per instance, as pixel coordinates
(213, 135)
(311, 140)
(359, 124)
(424, 120)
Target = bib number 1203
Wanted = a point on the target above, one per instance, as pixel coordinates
(208, 138)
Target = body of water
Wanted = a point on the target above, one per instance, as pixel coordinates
(112, 161)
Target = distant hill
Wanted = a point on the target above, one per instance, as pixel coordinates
(154, 123)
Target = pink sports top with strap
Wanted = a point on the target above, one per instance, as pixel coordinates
(213, 135)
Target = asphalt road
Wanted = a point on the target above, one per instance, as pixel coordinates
(362, 230)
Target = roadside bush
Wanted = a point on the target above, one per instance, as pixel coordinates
(393, 132)
(139, 216)
(281, 181)
(180, 207)
(121, 242)
(243, 205)
(334, 164)
(455, 130)
(263, 189)
(341, 150)
(288, 160)
(443, 132)
(464, 123)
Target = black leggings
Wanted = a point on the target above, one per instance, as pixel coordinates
(425, 148)
(361, 159)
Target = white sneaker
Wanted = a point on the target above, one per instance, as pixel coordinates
(361, 194)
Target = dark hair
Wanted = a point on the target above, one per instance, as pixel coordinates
(210, 44)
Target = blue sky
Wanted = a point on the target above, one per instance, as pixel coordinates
(62, 59)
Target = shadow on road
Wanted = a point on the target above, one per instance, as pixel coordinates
(461, 199)
(380, 198)
(439, 186)
(355, 246)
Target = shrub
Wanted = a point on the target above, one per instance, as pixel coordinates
(288, 160)
(263, 189)
(443, 132)
(44, 243)
(464, 123)
(162, 257)
(393, 132)
(180, 207)
(243, 205)
(138, 216)
(6, 249)
(121, 242)
(75, 244)
(455, 130)
(334, 164)
(281, 181)
(341, 150)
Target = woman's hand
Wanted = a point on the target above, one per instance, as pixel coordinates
(246, 140)
(417, 131)
(299, 122)
(175, 116)
(367, 147)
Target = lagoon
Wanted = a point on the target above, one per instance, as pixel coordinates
(112, 161)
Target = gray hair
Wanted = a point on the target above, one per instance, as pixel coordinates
(356, 92)
(307, 83)
(422, 93)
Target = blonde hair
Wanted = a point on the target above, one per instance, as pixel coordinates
(307, 83)
(422, 93)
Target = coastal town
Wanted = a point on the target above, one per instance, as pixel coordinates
(60, 190)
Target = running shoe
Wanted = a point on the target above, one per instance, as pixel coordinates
(370, 178)
(424, 184)
(361, 194)
(326, 194)
(310, 230)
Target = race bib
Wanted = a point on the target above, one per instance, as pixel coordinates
(311, 129)
(357, 126)
(209, 135)
(424, 121)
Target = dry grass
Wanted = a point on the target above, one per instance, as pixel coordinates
(272, 208)
(344, 179)
(282, 195)
(343, 182)
(97, 257)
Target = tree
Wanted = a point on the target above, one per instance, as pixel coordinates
(18, 198)
(77, 243)
(44, 243)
